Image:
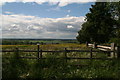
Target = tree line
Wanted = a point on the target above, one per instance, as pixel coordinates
(102, 23)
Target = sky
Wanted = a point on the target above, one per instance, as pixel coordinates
(43, 20)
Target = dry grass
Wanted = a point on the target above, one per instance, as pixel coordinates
(47, 46)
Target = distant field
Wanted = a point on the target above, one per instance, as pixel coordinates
(35, 41)
(47, 46)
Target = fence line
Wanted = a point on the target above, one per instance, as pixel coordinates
(65, 51)
(115, 49)
(55, 51)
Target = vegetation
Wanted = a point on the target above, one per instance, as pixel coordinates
(52, 68)
(35, 41)
(102, 23)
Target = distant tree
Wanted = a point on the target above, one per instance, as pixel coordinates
(98, 26)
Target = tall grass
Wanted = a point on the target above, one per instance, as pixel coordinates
(14, 67)
(52, 68)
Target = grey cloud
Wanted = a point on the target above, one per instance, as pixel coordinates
(36, 27)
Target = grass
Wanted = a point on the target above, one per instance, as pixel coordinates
(52, 68)
(47, 46)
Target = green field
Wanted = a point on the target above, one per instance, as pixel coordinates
(35, 41)
(52, 68)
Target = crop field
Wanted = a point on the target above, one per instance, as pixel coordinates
(47, 46)
(35, 41)
(53, 68)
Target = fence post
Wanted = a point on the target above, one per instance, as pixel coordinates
(118, 51)
(38, 49)
(91, 53)
(41, 54)
(16, 52)
(112, 49)
(66, 54)
(86, 44)
(94, 45)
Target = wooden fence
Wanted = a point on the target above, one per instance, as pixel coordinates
(39, 53)
(115, 49)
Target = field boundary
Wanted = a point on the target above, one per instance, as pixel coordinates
(39, 53)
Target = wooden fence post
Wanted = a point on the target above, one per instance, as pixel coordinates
(112, 49)
(118, 51)
(16, 52)
(41, 54)
(66, 54)
(38, 49)
(94, 45)
(91, 53)
(86, 44)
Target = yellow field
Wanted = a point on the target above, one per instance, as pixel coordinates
(47, 46)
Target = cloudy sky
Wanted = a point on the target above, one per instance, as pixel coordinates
(43, 18)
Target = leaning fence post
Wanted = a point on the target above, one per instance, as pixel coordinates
(94, 45)
(66, 54)
(112, 49)
(38, 49)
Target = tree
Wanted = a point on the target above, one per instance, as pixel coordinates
(98, 26)
(115, 12)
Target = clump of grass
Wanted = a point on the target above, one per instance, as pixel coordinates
(14, 68)
(50, 68)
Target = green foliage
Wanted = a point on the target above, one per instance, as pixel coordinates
(35, 41)
(52, 68)
(115, 11)
(115, 40)
(14, 68)
(100, 24)
(49, 68)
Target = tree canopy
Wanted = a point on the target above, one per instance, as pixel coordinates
(101, 24)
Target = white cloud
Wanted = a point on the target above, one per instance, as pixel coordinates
(60, 3)
(68, 15)
(70, 26)
(8, 12)
(23, 26)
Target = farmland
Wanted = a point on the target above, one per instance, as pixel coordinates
(35, 41)
(52, 68)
